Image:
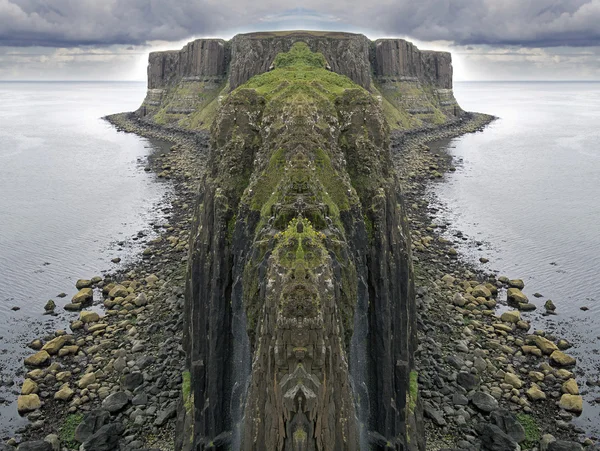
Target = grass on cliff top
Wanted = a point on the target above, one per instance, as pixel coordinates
(299, 72)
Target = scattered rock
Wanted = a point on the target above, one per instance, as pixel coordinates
(105, 439)
(28, 403)
(41, 358)
(484, 402)
(494, 439)
(36, 445)
(90, 424)
(84, 295)
(83, 283)
(515, 295)
(561, 359)
(88, 317)
(516, 283)
(572, 403)
(115, 402)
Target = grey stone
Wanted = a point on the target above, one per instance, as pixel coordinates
(132, 380)
(506, 421)
(91, 423)
(36, 445)
(105, 439)
(115, 402)
(563, 445)
(484, 402)
(434, 415)
(459, 400)
(494, 439)
(467, 380)
(165, 415)
(141, 399)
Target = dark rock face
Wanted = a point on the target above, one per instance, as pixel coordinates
(300, 316)
(400, 58)
(37, 445)
(346, 53)
(198, 59)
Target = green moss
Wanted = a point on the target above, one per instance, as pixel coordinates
(186, 389)
(413, 391)
(66, 432)
(532, 429)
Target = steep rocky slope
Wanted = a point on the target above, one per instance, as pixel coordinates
(300, 314)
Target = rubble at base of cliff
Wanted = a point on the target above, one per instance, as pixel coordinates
(115, 382)
(486, 379)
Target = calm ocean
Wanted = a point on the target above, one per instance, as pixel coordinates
(528, 189)
(71, 189)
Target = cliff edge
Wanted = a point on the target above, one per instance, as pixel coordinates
(414, 86)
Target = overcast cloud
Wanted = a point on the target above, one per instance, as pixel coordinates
(499, 33)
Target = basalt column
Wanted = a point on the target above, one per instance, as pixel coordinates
(299, 316)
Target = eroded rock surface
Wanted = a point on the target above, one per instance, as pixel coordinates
(300, 316)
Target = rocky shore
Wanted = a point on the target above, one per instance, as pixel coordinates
(115, 378)
(487, 381)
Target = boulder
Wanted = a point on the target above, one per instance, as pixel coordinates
(509, 424)
(28, 403)
(36, 445)
(513, 316)
(513, 379)
(83, 283)
(86, 380)
(115, 402)
(570, 387)
(88, 317)
(534, 393)
(84, 295)
(166, 414)
(495, 439)
(29, 387)
(563, 445)
(484, 402)
(549, 306)
(516, 283)
(559, 358)
(572, 403)
(65, 393)
(41, 358)
(467, 380)
(119, 291)
(545, 345)
(90, 424)
(132, 380)
(481, 291)
(105, 439)
(517, 296)
(53, 346)
(434, 415)
(50, 306)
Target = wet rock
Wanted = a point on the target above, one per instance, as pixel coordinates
(53, 346)
(84, 295)
(515, 295)
(513, 379)
(91, 423)
(28, 403)
(545, 345)
(549, 306)
(86, 380)
(516, 283)
(571, 403)
(559, 358)
(54, 441)
(484, 402)
(50, 306)
(513, 316)
(83, 283)
(481, 291)
(118, 291)
(570, 387)
(563, 344)
(38, 359)
(29, 387)
(73, 307)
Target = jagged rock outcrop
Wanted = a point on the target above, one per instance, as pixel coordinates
(300, 313)
(184, 86)
(197, 60)
(346, 53)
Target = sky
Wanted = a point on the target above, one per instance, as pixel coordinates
(111, 39)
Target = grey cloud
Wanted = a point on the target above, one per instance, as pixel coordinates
(530, 23)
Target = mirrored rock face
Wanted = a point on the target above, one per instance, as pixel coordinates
(300, 290)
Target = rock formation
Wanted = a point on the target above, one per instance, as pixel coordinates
(300, 313)
(184, 86)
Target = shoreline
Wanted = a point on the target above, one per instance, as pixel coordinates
(122, 346)
(128, 361)
(464, 347)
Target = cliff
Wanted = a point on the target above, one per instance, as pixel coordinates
(300, 313)
(415, 86)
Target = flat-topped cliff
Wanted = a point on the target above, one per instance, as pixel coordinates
(415, 86)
